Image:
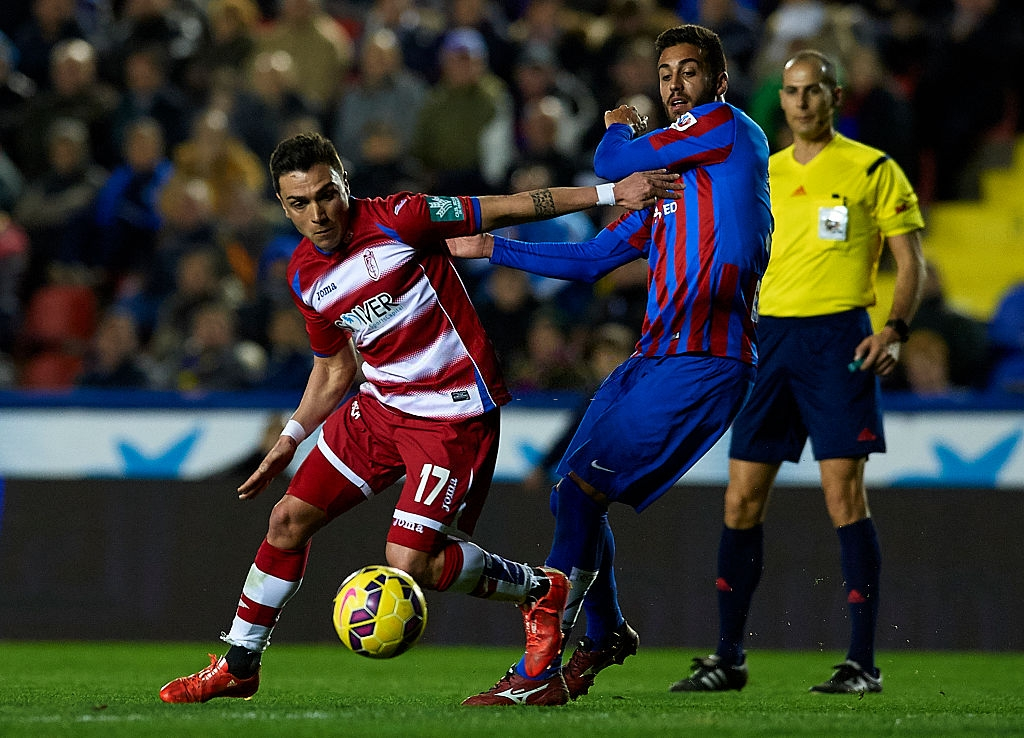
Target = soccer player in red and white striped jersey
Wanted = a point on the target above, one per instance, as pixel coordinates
(375, 277)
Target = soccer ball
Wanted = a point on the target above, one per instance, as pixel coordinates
(379, 612)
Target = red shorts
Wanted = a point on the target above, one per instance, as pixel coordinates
(365, 447)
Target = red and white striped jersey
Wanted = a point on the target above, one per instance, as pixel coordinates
(391, 286)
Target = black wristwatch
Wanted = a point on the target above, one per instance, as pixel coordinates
(900, 326)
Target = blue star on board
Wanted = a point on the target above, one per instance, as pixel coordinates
(955, 470)
(165, 464)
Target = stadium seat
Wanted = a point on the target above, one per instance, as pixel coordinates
(50, 370)
(59, 317)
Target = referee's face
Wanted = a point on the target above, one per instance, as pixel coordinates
(808, 102)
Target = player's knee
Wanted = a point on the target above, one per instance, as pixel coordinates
(744, 508)
(417, 564)
(290, 528)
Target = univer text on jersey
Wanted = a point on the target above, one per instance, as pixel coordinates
(370, 313)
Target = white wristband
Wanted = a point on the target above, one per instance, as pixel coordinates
(606, 194)
(294, 429)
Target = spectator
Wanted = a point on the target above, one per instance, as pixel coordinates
(966, 338)
(14, 249)
(540, 128)
(289, 359)
(384, 92)
(876, 112)
(174, 26)
(975, 34)
(77, 93)
(610, 345)
(198, 282)
(229, 48)
(739, 27)
(188, 224)
(572, 298)
(626, 25)
(926, 363)
(484, 17)
(269, 97)
(551, 362)
(11, 182)
(244, 232)
(419, 29)
(621, 296)
(127, 214)
(56, 208)
(1006, 331)
(270, 290)
(557, 27)
(506, 304)
(540, 82)
(212, 154)
(321, 48)
(51, 22)
(148, 93)
(113, 360)
(16, 88)
(211, 357)
(463, 135)
(628, 82)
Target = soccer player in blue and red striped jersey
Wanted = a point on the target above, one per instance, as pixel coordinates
(665, 406)
(374, 276)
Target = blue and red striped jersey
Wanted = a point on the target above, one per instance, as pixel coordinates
(706, 251)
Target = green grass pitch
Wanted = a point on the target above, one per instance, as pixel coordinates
(110, 689)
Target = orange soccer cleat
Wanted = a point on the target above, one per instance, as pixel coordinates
(213, 681)
(542, 620)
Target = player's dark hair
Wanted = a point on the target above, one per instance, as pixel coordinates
(828, 68)
(300, 154)
(705, 39)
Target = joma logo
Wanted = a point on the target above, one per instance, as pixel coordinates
(322, 293)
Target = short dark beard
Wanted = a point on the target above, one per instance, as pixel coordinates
(543, 203)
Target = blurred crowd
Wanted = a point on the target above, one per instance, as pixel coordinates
(141, 245)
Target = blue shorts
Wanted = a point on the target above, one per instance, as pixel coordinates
(651, 420)
(804, 388)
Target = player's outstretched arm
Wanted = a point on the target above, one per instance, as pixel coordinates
(328, 382)
(472, 247)
(637, 191)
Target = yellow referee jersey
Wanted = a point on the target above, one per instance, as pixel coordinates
(830, 217)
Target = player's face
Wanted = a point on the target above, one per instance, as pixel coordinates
(807, 101)
(685, 80)
(316, 202)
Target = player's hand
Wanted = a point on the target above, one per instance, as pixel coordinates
(629, 115)
(275, 462)
(472, 247)
(878, 354)
(643, 189)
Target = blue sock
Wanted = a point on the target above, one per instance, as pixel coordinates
(602, 601)
(861, 561)
(578, 539)
(740, 563)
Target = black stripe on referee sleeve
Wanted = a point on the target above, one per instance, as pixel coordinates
(877, 163)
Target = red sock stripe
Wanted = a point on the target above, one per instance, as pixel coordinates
(453, 560)
(257, 614)
(287, 564)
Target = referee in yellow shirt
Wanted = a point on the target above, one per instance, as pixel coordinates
(835, 202)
